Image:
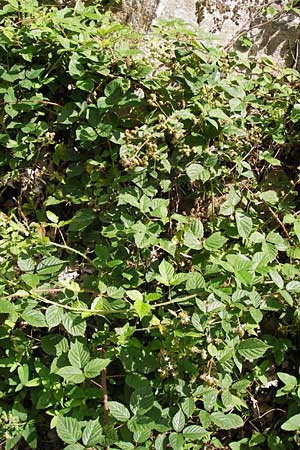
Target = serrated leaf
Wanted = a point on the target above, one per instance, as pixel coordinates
(176, 441)
(178, 421)
(194, 432)
(270, 197)
(49, 265)
(52, 217)
(188, 406)
(160, 442)
(6, 307)
(78, 354)
(244, 224)
(81, 220)
(252, 349)
(95, 367)
(292, 424)
(215, 242)
(277, 279)
(68, 429)
(119, 411)
(293, 286)
(26, 263)
(142, 308)
(197, 172)
(141, 400)
(190, 241)
(92, 434)
(34, 317)
(74, 447)
(195, 282)
(74, 324)
(226, 421)
(290, 383)
(135, 295)
(71, 374)
(167, 272)
(54, 316)
(196, 227)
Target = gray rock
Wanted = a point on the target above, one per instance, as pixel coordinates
(275, 36)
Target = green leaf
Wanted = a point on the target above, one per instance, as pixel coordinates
(92, 434)
(115, 88)
(178, 421)
(143, 309)
(195, 282)
(68, 429)
(160, 442)
(52, 217)
(81, 220)
(119, 411)
(293, 286)
(290, 383)
(226, 421)
(295, 113)
(34, 317)
(197, 172)
(244, 224)
(292, 424)
(6, 307)
(197, 228)
(215, 242)
(71, 374)
(252, 349)
(167, 272)
(54, 316)
(95, 367)
(190, 241)
(188, 406)
(277, 279)
(49, 265)
(176, 441)
(78, 354)
(74, 447)
(141, 400)
(26, 263)
(135, 295)
(270, 197)
(194, 432)
(74, 324)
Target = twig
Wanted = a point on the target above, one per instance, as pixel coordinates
(280, 222)
(296, 55)
(96, 384)
(105, 395)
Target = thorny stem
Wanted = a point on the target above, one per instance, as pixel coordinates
(73, 250)
(105, 395)
(280, 222)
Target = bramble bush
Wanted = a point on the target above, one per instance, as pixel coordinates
(150, 238)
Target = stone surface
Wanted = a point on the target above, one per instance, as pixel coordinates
(139, 13)
(277, 36)
(174, 9)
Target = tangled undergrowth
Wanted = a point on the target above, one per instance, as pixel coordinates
(150, 238)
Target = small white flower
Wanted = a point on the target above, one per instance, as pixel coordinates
(67, 275)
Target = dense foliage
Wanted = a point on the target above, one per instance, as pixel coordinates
(150, 238)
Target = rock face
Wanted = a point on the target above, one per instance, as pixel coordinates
(174, 9)
(273, 35)
(276, 36)
(139, 13)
